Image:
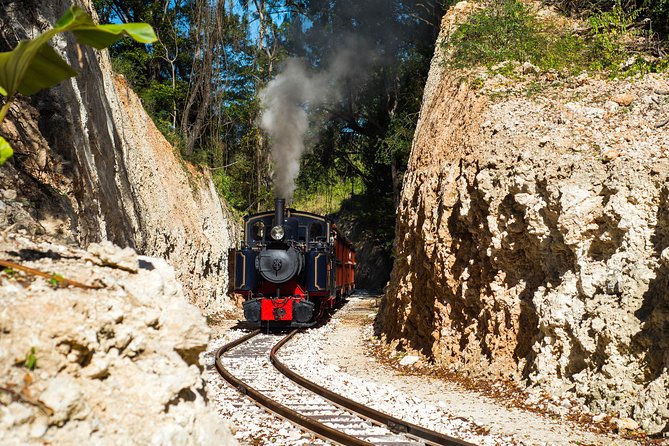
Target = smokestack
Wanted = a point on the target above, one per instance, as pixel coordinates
(279, 211)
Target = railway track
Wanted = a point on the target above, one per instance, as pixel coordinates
(250, 364)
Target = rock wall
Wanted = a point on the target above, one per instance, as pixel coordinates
(110, 366)
(90, 165)
(533, 234)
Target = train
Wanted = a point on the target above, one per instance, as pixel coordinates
(291, 268)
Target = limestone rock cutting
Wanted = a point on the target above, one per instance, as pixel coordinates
(533, 232)
(118, 364)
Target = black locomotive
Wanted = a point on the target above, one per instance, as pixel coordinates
(291, 267)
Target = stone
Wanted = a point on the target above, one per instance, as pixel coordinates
(107, 254)
(63, 396)
(17, 414)
(664, 257)
(9, 194)
(550, 267)
(98, 368)
(599, 417)
(39, 427)
(118, 180)
(111, 368)
(409, 360)
(610, 154)
(529, 68)
(623, 99)
(626, 424)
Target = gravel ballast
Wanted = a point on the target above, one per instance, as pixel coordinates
(335, 356)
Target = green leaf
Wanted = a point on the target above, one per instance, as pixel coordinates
(5, 150)
(104, 36)
(89, 33)
(3, 91)
(31, 359)
(34, 65)
(46, 70)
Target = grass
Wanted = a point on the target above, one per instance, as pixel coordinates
(31, 359)
(326, 198)
(9, 272)
(509, 30)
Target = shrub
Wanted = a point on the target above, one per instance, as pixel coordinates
(509, 30)
(608, 29)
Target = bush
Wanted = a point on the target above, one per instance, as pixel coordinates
(658, 12)
(510, 31)
(655, 10)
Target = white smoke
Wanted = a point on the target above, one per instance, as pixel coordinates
(287, 98)
(286, 101)
(285, 120)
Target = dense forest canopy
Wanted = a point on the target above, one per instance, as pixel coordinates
(203, 81)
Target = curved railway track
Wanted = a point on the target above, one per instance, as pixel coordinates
(250, 364)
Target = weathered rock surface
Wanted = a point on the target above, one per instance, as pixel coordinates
(533, 234)
(115, 365)
(90, 165)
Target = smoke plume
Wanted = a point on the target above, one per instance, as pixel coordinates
(286, 101)
(285, 121)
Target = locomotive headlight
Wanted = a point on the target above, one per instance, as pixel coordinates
(277, 232)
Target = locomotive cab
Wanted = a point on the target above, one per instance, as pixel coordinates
(291, 267)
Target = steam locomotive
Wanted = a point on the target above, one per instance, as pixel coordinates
(292, 266)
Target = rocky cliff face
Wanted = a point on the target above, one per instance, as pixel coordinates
(90, 165)
(113, 365)
(533, 234)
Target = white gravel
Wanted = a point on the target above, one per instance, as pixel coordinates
(334, 357)
(305, 355)
(252, 424)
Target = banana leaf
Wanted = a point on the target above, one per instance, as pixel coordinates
(34, 65)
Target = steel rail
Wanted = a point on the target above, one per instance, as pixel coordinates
(296, 417)
(394, 424)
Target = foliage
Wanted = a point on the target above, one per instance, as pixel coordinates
(396, 143)
(226, 184)
(653, 14)
(199, 82)
(55, 280)
(33, 65)
(658, 12)
(9, 272)
(608, 29)
(5, 151)
(377, 222)
(326, 195)
(31, 359)
(361, 143)
(510, 31)
(200, 85)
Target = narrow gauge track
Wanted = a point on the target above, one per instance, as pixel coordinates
(251, 365)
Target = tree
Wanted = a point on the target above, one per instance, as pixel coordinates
(200, 82)
(370, 128)
(213, 56)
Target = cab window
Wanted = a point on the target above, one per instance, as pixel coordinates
(258, 231)
(316, 231)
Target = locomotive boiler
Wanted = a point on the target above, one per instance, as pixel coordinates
(291, 267)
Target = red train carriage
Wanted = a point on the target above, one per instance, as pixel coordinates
(291, 267)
